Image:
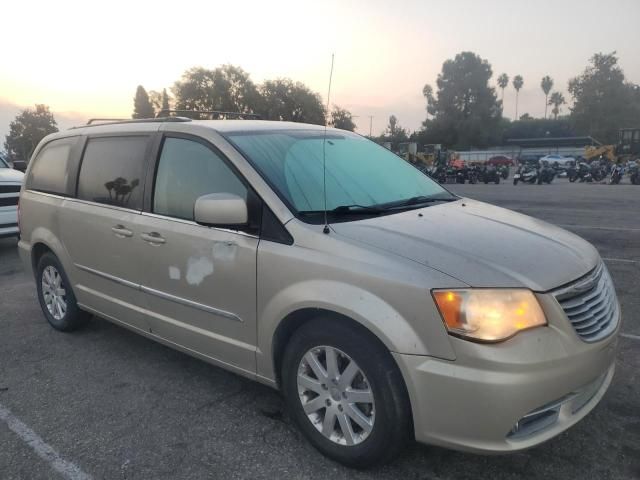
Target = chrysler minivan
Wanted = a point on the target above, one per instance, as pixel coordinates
(382, 306)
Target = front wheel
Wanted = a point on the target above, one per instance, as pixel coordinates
(344, 391)
(515, 181)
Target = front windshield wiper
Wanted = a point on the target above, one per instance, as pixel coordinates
(417, 201)
(348, 210)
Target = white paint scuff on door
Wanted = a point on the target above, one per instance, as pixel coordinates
(197, 269)
(225, 251)
(174, 273)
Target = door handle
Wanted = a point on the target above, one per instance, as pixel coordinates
(154, 238)
(121, 231)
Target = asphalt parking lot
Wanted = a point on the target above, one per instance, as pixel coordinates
(115, 405)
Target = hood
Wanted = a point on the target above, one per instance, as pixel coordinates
(11, 175)
(479, 244)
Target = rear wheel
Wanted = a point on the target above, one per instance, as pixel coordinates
(56, 297)
(515, 181)
(345, 393)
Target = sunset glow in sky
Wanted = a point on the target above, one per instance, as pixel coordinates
(88, 57)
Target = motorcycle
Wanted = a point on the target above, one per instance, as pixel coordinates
(490, 174)
(546, 174)
(634, 175)
(526, 174)
(616, 174)
(504, 172)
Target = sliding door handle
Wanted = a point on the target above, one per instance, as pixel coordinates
(154, 238)
(121, 231)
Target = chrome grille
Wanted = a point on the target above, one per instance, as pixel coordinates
(590, 304)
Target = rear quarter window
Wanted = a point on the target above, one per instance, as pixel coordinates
(50, 170)
(112, 171)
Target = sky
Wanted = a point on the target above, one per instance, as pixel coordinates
(85, 58)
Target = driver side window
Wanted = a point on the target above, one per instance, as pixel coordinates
(187, 170)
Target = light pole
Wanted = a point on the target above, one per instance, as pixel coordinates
(370, 122)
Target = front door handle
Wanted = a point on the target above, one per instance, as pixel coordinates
(154, 238)
(121, 231)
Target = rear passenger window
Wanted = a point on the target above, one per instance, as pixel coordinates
(112, 171)
(49, 172)
(186, 171)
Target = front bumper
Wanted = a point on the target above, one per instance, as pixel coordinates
(9, 221)
(508, 396)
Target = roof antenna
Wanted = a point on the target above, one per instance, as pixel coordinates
(326, 230)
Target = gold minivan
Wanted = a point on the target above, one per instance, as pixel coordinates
(382, 306)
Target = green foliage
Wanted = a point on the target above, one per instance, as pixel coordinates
(603, 101)
(165, 100)
(142, 107)
(528, 127)
(282, 99)
(518, 82)
(394, 134)
(465, 109)
(227, 88)
(556, 100)
(26, 131)
(546, 84)
(341, 118)
(503, 82)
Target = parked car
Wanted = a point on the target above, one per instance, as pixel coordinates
(500, 160)
(10, 183)
(558, 161)
(382, 306)
(525, 158)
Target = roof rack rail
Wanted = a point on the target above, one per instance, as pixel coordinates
(213, 114)
(115, 121)
(92, 120)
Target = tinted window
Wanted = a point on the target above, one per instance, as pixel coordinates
(186, 171)
(112, 170)
(49, 172)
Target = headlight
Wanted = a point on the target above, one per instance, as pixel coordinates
(488, 315)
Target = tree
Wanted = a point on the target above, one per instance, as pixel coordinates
(546, 84)
(465, 109)
(503, 82)
(165, 100)
(427, 93)
(227, 88)
(603, 101)
(142, 107)
(26, 131)
(556, 100)
(518, 82)
(282, 99)
(341, 118)
(394, 134)
(159, 100)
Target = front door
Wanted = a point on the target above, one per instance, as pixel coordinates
(199, 283)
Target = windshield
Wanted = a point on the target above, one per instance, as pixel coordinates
(3, 163)
(358, 171)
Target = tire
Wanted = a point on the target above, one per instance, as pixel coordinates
(497, 180)
(391, 409)
(51, 280)
(515, 181)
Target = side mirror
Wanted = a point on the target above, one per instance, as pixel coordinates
(220, 210)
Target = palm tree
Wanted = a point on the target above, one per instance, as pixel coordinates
(556, 100)
(503, 82)
(518, 82)
(546, 84)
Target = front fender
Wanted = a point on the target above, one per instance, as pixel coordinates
(372, 312)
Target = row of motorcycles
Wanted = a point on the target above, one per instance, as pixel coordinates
(530, 173)
(597, 172)
(469, 174)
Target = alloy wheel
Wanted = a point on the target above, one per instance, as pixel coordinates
(53, 292)
(336, 395)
